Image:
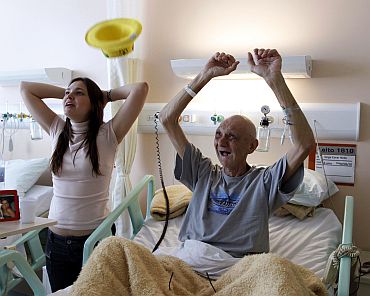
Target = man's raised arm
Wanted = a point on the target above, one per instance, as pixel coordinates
(267, 64)
(218, 65)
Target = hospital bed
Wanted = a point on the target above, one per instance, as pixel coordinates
(308, 242)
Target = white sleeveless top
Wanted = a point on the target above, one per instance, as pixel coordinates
(80, 200)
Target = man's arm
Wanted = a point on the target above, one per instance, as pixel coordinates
(268, 66)
(218, 65)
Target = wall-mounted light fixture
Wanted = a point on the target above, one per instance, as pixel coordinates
(60, 76)
(292, 67)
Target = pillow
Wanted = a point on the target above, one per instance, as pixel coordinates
(179, 197)
(314, 189)
(299, 211)
(22, 174)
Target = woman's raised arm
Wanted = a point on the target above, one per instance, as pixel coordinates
(33, 93)
(134, 95)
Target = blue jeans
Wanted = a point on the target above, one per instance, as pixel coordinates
(63, 259)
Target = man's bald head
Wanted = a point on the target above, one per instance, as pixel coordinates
(241, 123)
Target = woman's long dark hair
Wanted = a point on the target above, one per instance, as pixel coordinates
(95, 121)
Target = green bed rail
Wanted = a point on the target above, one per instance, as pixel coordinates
(8, 280)
(131, 203)
(11, 256)
(345, 262)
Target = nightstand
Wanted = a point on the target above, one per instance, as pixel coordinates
(364, 289)
(9, 228)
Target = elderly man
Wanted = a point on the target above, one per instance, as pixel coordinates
(231, 203)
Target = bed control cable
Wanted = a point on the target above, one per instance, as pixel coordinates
(156, 119)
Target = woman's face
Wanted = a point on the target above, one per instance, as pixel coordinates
(76, 102)
(4, 204)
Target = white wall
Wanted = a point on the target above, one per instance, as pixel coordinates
(333, 32)
(43, 33)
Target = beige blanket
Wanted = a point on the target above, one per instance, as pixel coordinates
(179, 197)
(122, 267)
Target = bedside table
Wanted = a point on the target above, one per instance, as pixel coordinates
(364, 289)
(8, 228)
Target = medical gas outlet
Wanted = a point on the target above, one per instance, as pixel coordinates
(263, 131)
(217, 118)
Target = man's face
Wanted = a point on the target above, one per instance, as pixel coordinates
(234, 140)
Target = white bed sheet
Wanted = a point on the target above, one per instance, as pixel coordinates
(308, 242)
(43, 195)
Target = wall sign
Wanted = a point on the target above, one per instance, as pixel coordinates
(337, 160)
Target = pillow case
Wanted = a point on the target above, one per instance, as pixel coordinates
(22, 174)
(179, 197)
(299, 211)
(314, 189)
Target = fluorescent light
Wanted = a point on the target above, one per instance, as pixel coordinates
(60, 76)
(292, 67)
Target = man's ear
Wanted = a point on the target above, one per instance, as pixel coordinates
(253, 146)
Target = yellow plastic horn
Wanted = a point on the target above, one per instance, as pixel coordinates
(114, 37)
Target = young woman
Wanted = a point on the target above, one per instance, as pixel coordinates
(82, 161)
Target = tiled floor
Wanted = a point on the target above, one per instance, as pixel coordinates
(22, 289)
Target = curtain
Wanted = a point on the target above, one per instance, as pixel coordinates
(122, 71)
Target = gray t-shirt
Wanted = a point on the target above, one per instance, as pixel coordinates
(232, 213)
